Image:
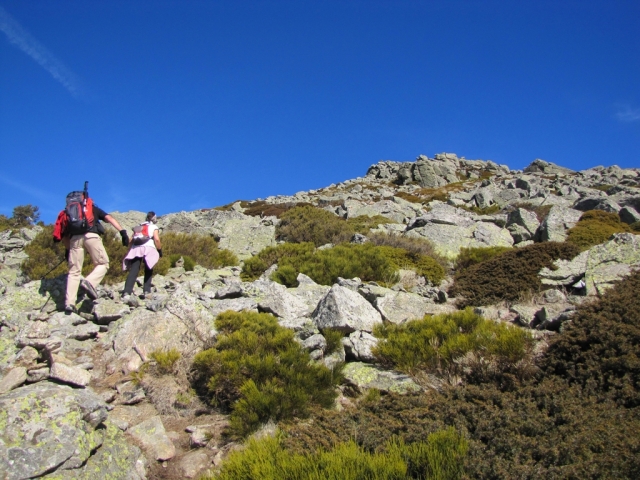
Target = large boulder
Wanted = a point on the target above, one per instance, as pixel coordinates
(612, 261)
(53, 428)
(364, 376)
(559, 220)
(346, 310)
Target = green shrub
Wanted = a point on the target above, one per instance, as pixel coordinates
(413, 245)
(165, 359)
(635, 227)
(439, 457)
(509, 275)
(202, 249)
(600, 348)
(475, 255)
(438, 343)
(368, 262)
(258, 264)
(334, 340)
(364, 223)
(595, 227)
(44, 255)
(312, 224)
(259, 372)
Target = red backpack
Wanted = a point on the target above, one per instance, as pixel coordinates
(141, 234)
(76, 218)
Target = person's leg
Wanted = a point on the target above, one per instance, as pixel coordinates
(76, 259)
(148, 273)
(134, 268)
(99, 257)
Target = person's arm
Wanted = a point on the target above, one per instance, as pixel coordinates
(156, 240)
(112, 221)
(123, 232)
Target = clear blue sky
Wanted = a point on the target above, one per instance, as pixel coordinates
(176, 105)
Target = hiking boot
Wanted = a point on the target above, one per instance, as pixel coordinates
(69, 309)
(89, 289)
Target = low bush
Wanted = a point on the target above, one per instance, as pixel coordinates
(364, 223)
(202, 249)
(312, 224)
(635, 227)
(595, 227)
(258, 372)
(490, 210)
(165, 359)
(509, 275)
(44, 255)
(293, 253)
(438, 344)
(413, 245)
(473, 255)
(368, 262)
(600, 348)
(440, 457)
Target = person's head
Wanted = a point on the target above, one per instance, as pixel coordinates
(151, 217)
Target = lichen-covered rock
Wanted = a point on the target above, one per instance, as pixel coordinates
(364, 376)
(358, 346)
(13, 379)
(399, 307)
(153, 438)
(559, 220)
(107, 311)
(48, 427)
(346, 310)
(612, 261)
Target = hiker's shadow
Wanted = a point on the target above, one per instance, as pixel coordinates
(54, 290)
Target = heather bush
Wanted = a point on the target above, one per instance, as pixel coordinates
(509, 275)
(312, 224)
(541, 429)
(368, 262)
(44, 255)
(595, 227)
(364, 223)
(294, 253)
(202, 249)
(258, 372)
(439, 457)
(165, 359)
(413, 245)
(473, 255)
(635, 227)
(438, 344)
(599, 349)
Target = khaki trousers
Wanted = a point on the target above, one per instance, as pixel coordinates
(93, 243)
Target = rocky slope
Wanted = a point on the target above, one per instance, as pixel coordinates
(73, 405)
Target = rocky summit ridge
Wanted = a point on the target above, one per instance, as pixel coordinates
(72, 404)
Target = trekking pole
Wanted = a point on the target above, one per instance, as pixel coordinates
(42, 278)
(84, 202)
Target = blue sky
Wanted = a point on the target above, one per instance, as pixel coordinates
(176, 105)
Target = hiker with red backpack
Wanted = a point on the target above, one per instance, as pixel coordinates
(78, 227)
(145, 249)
